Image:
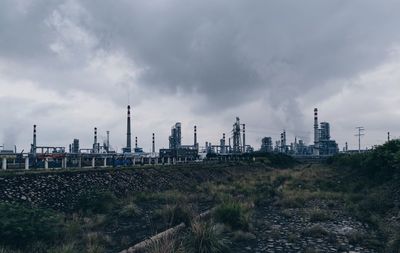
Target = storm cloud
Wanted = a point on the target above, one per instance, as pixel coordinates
(270, 61)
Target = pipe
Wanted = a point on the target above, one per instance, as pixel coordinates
(27, 163)
(4, 163)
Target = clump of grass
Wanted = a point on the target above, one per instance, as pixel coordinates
(205, 238)
(356, 237)
(130, 210)
(393, 245)
(95, 243)
(166, 244)
(233, 214)
(65, 248)
(96, 202)
(176, 213)
(290, 201)
(316, 231)
(243, 236)
(7, 250)
(318, 215)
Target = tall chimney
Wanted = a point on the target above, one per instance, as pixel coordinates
(34, 140)
(108, 141)
(244, 138)
(195, 137)
(95, 136)
(316, 133)
(154, 145)
(95, 141)
(128, 131)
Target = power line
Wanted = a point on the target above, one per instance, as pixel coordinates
(360, 133)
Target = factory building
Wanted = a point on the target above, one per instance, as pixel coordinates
(323, 145)
(176, 150)
(266, 144)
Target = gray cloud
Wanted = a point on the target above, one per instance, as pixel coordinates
(223, 54)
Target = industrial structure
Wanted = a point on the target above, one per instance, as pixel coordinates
(177, 151)
(102, 154)
(322, 146)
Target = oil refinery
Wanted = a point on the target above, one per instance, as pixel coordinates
(102, 155)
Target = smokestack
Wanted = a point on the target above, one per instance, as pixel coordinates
(136, 142)
(95, 136)
(316, 132)
(128, 131)
(34, 140)
(95, 141)
(108, 141)
(195, 137)
(154, 146)
(244, 138)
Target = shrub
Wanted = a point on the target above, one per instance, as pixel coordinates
(97, 202)
(94, 243)
(66, 248)
(316, 231)
(130, 210)
(22, 226)
(292, 201)
(177, 213)
(205, 238)
(166, 244)
(233, 214)
(394, 244)
(317, 215)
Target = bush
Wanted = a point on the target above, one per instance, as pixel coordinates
(379, 164)
(233, 214)
(22, 226)
(205, 238)
(97, 202)
(130, 210)
(166, 244)
(316, 231)
(394, 245)
(317, 215)
(176, 214)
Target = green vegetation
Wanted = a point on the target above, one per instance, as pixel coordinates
(204, 237)
(233, 214)
(361, 184)
(21, 225)
(380, 164)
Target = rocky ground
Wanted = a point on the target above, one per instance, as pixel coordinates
(290, 230)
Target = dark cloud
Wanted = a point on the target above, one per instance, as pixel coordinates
(223, 54)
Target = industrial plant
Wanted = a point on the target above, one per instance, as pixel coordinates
(230, 146)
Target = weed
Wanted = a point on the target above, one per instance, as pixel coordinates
(318, 215)
(233, 214)
(316, 231)
(176, 213)
(130, 210)
(205, 238)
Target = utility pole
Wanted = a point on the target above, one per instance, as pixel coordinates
(360, 133)
(388, 136)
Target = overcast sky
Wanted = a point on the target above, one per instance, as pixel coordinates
(69, 66)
